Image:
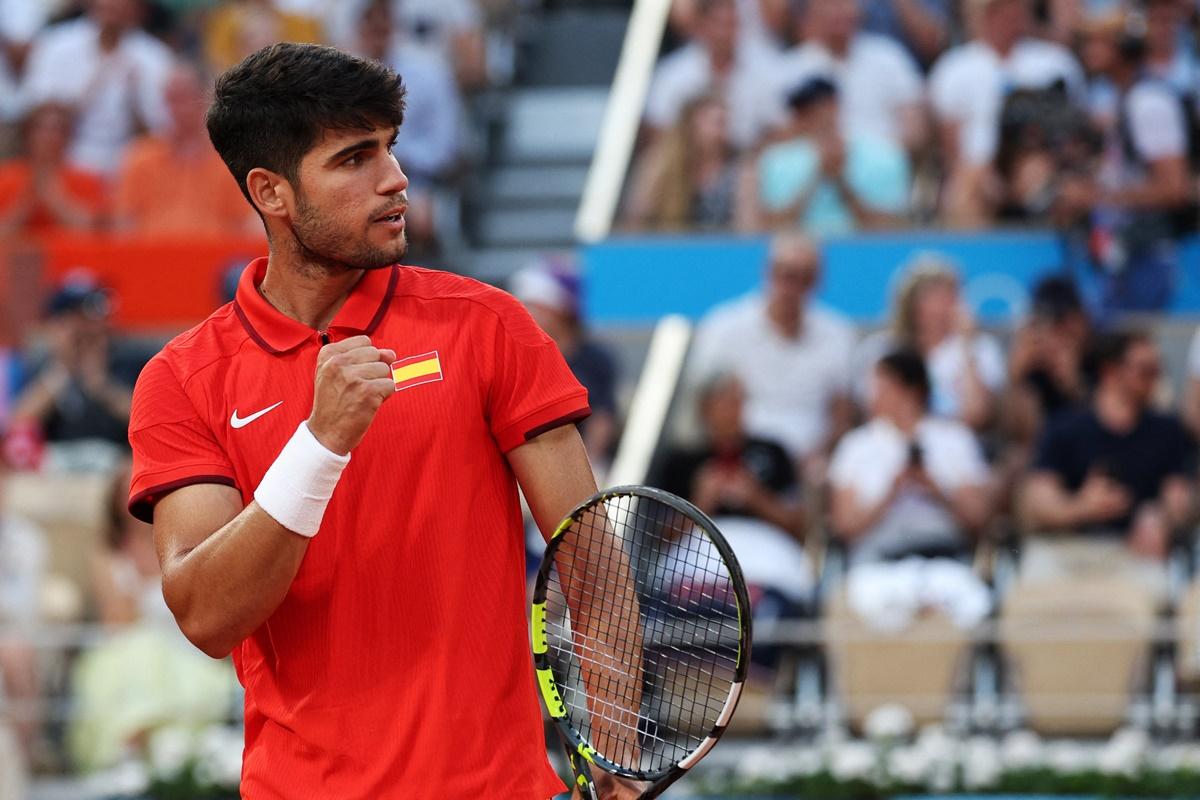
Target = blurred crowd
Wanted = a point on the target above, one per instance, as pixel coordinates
(833, 116)
(102, 100)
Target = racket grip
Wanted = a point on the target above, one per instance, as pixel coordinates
(583, 776)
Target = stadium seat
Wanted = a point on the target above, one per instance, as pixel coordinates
(1076, 648)
(916, 668)
(71, 511)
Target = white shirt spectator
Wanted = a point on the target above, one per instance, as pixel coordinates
(1157, 129)
(789, 383)
(867, 461)
(969, 83)
(20, 20)
(1193, 356)
(877, 81)
(115, 92)
(945, 364)
(754, 105)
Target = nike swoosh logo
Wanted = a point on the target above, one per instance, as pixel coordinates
(241, 422)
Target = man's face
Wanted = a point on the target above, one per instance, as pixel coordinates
(185, 99)
(118, 14)
(793, 273)
(834, 19)
(722, 409)
(718, 27)
(1140, 371)
(1008, 19)
(350, 200)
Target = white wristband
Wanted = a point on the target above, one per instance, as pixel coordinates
(297, 487)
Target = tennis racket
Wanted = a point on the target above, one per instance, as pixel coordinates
(641, 636)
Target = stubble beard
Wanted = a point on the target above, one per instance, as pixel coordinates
(323, 248)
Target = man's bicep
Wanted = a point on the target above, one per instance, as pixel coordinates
(189, 515)
(554, 475)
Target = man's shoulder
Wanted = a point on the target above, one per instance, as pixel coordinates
(876, 49)
(459, 298)
(218, 337)
(739, 312)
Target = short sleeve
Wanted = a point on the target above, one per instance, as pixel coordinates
(1156, 123)
(1053, 452)
(989, 360)
(843, 465)
(530, 388)
(172, 445)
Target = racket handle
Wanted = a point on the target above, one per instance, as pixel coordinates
(583, 776)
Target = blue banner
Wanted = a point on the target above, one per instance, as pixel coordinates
(634, 281)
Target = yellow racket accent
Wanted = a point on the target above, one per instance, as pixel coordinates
(587, 752)
(538, 630)
(554, 703)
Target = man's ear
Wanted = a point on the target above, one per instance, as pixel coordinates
(270, 192)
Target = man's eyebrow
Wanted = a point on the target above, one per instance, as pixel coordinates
(361, 144)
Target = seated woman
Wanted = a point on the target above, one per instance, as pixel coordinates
(749, 487)
(910, 491)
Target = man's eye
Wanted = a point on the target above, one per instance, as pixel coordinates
(354, 160)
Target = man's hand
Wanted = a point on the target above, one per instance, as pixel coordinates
(1101, 499)
(352, 381)
(1150, 536)
(610, 787)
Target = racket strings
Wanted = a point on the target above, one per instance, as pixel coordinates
(643, 631)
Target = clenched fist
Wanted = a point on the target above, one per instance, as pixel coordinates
(353, 379)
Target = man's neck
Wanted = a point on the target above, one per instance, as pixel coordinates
(838, 46)
(305, 292)
(1115, 411)
(110, 37)
(786, 319)
(906, 420)
(1001, 47)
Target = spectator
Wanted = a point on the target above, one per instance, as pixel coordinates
(144, 656)
(108, 68)
(734, 474)
(1116, 468)
(83, 388)
(211, 204)
(878, 83)
(922, 26)
(688, 177)
(907, 483)
(749, 487)
(1128, 213)
(717, 61)
(40, 193)
(791, 354)
(428, 144)
(1046, 361)
(550, 291)
(966, 367)
(824, 181)
(238, 28)
(967, 89)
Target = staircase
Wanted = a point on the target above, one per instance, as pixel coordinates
(543, 133)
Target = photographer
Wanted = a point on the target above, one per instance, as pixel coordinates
(908, 483)
(1125, 217)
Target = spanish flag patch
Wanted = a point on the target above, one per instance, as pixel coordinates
(416, 370)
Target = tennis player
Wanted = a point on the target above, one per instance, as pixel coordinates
(331, 464)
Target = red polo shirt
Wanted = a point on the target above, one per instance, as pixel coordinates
(398, 665)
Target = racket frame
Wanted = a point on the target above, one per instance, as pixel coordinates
(580, 752)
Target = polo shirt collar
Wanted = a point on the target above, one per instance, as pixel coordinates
(276, 332)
